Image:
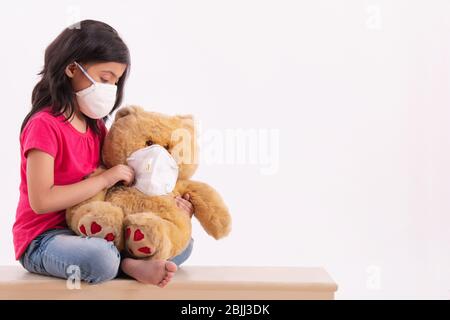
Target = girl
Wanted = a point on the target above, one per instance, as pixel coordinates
(61, 137)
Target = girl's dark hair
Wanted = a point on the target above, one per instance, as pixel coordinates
(87, 41)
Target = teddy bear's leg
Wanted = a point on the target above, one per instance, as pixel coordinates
(71, 218)
(99, 219)
(209, 208)
(147, 235)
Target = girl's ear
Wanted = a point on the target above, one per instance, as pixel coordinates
(70, 70)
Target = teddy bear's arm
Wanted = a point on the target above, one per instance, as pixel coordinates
(209, 208)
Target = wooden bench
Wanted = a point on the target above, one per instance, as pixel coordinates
(190, 282)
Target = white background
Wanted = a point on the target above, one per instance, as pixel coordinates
(358, 92)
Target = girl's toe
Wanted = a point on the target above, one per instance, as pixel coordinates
(163, 283)
(170, 274)
(171, 267)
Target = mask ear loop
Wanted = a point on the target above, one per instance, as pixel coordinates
(85, 72)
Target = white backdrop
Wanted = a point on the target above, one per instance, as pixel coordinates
(345, 105)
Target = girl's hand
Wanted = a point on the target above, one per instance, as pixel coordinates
(121, 172)
(184, 204)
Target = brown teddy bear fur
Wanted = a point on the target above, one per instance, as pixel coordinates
(150, 226)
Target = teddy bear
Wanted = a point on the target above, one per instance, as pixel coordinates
(150, 225)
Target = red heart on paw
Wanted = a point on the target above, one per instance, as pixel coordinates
(83, 230)
(110, 237)
(95, 228)
(145, 250)
(138, 235)
(127, 233)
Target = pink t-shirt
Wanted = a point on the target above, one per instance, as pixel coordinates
(76, 155)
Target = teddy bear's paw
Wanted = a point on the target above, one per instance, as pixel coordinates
(219, 226)
(97, 227)
(146, 236)
(101, 224)
(137, 243)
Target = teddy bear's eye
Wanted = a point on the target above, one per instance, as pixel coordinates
(148, 143)
(167, 147)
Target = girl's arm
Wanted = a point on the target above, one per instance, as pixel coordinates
(46, 197)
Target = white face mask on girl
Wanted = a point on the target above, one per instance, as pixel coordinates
(97, 100)
(156, 171)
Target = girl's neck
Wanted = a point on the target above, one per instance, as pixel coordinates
(77, 120)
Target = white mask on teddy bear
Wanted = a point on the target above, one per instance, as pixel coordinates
(156, 171)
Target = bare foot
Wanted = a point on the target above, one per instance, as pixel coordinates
(157, 272)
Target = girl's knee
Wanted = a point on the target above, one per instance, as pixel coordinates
(102, 262)
(184, 255)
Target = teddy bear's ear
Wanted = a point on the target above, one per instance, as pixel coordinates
(187, 120)
(186, 116)
(125, 111)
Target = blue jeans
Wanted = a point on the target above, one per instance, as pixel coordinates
(56, 252)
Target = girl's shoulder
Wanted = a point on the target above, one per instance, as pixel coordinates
(45, 114)
(42, 121)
